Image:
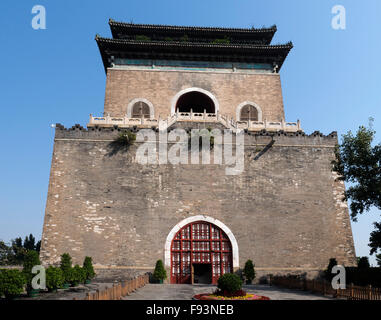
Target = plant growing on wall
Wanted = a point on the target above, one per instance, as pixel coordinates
(126, 138)
(88, 268)
(159, 274)
(54, 278)
(12, 283)
(249, 271)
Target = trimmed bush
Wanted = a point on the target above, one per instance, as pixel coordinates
(159, 274)
(66, 266)
(229, 284)
(76, 275)
(54, 278)
(249, 271)
(89, 269)
(363, 263)
(328, 275)
(12, 283)
(363, 276)
(31, 260)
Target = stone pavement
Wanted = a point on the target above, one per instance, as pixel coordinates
(187, 291)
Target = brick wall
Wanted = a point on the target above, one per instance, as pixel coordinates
(159, 87)
(285, 209)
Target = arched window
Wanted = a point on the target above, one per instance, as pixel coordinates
(140, 108)
(249, 111)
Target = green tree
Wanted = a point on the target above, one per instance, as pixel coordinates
(359, 163)
(76, 275)
(159, 273)
(328, 275)
(38, 246)
(363, 263)
(12, 283)
(31, 260)
(229, 283)
(19, 252)
(378, 259)
(66, 265)
(6, 254)
(54, 278)
(249, 271)
(375, 240)
(29, 243)
(88, 267)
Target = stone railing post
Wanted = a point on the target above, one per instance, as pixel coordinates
(108, 119)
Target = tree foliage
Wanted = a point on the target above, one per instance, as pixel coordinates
(15, 252)
(249, 271)
(159, 272)
(229, 283)
(54, 278)
(359, 163)
(328, 272)
(12, 283)
(66, 265)
(31, 260)
(88, 267)
(375, 241)
(363, 263)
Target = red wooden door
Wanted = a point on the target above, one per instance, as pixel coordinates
(200, 243)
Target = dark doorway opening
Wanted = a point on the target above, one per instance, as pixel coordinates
(196, 101)
(202, 273)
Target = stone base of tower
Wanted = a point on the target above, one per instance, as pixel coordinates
(284, 210)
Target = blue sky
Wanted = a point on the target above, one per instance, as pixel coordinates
(330, 79)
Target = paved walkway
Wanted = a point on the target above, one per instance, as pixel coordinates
(187, 291)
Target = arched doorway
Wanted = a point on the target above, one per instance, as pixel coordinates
(196, 101)
(200, 253)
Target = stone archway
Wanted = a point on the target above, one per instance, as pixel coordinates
(200, 97)
(200, 249)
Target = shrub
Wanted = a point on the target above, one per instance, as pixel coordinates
(126, 138)
(31, 260)
(159, 273)
(88, 267)
(12, 283)
(363, 263)
(65, 266)
(54, 278)
(230, 285)
(76, 275)
(249, 271)
(363, 277)
(328, 272)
